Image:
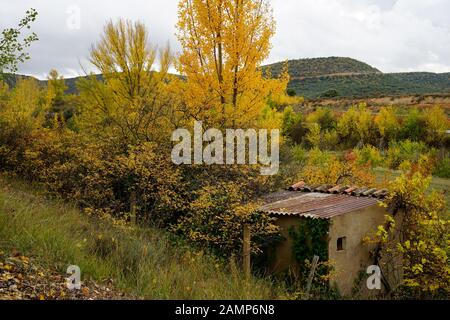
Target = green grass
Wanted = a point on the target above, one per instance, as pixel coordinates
(143, 262)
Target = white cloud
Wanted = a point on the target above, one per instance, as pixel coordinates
(392, 35)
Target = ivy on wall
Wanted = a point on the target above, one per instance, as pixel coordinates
(310, 237)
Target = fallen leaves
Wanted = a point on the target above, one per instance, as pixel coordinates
(21, 278)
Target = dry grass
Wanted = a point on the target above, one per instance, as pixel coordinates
(144, 262)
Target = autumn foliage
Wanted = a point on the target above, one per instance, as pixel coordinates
(414, 244)
(111, 154)
(224, 44)
(108, 148)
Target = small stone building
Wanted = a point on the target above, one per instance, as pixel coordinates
(353, 213)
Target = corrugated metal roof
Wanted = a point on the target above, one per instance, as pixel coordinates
(318, 205)
(321, 201)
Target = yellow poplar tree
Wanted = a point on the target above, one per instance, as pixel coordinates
(134, 103)
(387, 123)
(21, 116)
(55, 88)
(224, 43)
(437, 123)
(355, 125)
(24, 106)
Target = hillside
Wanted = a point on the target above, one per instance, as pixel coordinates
(372, 85)
(72, 83)
(302, 68)
(11, 80)
(336, 77)
(349, 78)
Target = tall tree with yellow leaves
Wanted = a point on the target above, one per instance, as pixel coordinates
(135, 102)
(55, 88)
(21, 117)
(224, 43)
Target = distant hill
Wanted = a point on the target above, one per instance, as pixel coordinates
(72, 83)
(349, 78)
(372, 85)
(11, 80)
(323, 66)
(337, 77)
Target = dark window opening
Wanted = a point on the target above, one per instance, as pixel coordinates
(341, 243)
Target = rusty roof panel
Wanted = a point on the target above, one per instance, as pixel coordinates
(321, 201)
(318, 205)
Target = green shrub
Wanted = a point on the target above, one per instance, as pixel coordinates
(309, 238)
(299, 154)
(414, 126)
(330, 139)
(332, 93)
(291, 92)
(369, 154)
(442, 169)
(406, 150)
(324, 117)
(292, 125)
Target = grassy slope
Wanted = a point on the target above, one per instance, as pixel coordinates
(142, 262)
(374, 85)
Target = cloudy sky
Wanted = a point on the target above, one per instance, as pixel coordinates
(391, 35)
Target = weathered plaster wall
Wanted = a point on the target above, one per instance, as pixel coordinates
(355, 257)
(348, 263)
